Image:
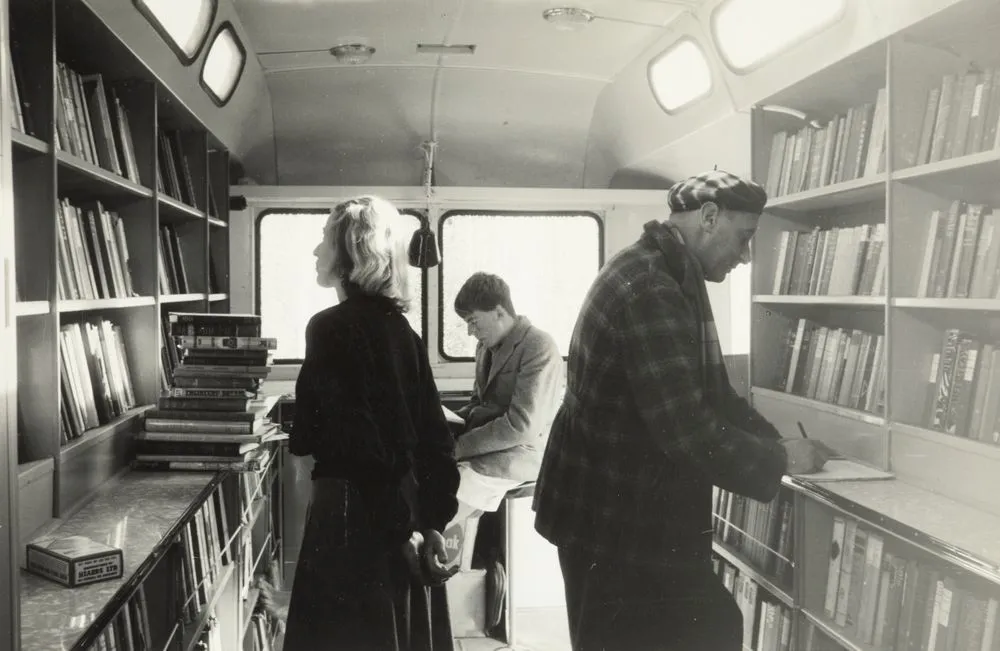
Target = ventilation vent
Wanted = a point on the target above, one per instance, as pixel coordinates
(440, 48)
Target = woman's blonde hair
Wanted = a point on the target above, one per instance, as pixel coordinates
(369, 258)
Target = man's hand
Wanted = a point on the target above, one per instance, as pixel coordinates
(435, 555)
(806, 456)
(482, 414)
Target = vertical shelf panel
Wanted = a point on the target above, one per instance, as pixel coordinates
(219, 232)
(35, 233)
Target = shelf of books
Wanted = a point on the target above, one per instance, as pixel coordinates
(120, 219)
(876, 322)
(196, 520)
(754, 546)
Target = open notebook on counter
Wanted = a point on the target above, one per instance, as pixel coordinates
(845, 470)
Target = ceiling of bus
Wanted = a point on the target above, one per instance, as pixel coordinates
(534, 106)
(517, 112)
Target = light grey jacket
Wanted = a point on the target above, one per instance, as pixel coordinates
(512, 409)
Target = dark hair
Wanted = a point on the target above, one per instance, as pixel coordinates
(483, 292)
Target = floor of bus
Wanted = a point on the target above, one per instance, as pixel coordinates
(538, 629)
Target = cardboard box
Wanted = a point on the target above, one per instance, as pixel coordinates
(460, 541)
(74, 560)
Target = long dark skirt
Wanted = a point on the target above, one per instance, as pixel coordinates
(351, 592)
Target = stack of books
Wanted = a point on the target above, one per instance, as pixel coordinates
(212, 416)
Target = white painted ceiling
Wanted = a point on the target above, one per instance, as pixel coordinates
(517, 112)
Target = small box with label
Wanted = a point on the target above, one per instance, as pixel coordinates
(74, 560)
(460, 540)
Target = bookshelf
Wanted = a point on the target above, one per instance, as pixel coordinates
(193, 543)
(875, 321)
(117, 200)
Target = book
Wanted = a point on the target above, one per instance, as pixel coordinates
(845, 470)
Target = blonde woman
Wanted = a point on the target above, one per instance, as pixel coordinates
(384, 481)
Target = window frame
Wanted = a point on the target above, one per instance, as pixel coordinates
(223, 26)
(694, 100)
(293, 361)
(158, 27)
(502, 213)
(791, 45)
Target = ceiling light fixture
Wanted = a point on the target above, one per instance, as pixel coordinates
(352, 53)
(572, 19)
(568, 18)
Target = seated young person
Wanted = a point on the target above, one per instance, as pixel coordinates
(517, 390)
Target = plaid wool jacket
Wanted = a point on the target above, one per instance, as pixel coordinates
(638, 443)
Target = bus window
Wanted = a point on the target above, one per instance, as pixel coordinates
(287, 293)
(749, 32)
(548, 259)
(183, 24)
(223, 65)
(679, 75)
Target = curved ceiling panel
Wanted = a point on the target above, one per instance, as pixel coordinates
(516, 112)
(523, 130)
(343, 127)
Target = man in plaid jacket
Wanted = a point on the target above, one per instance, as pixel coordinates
(648, 425)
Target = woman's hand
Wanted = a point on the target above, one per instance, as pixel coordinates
(435, 555)
(412, 550)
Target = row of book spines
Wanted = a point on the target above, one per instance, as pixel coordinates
(767, 623)
(152, 446)
(839, 366)
(960, 258)
(129, 630)
(838, 261)
(961, 116)
(84, 129)
(208, 342)
(94, 259)
(178, 185)
(964, 387)
(762, 531)
(172, 271)
(253, 485)
(245, 356)
(205, 549)
(850, 146)
(84, 126)
(111, 147)
(93, 253)
(224, 363)
(253, 461)
(881, 598)
(94, 374)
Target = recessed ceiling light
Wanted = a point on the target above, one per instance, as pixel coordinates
(352, 52)
(568, 18)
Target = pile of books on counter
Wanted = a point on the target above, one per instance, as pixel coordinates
(212, 416)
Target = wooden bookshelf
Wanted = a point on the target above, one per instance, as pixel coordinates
(116, 213)
(928, 305)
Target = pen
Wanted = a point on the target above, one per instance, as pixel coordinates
(802, 429)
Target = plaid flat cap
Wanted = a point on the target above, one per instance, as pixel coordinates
(725, 189)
